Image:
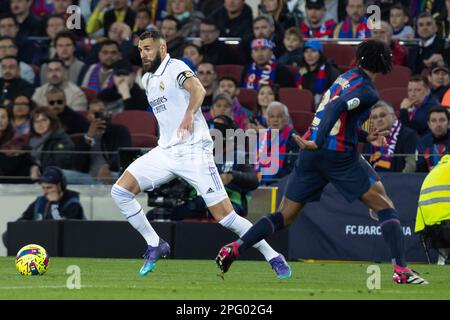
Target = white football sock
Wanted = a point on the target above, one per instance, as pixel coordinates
(134, 213)
(240, 226)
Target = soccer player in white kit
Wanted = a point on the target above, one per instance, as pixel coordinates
(185, 149)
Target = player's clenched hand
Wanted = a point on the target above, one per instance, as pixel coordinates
(378, 138)
(185, 128)
(304, 144)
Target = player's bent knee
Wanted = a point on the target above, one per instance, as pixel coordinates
(121, 195)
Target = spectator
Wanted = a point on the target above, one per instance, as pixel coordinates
(430, 48)
(21, 113)
(265, 95)
(71, 121)
(263, 28)
(143, 22)
(183, 11)
(432, 146)
(9, 27)
(156, 9)
(316, 25)
(316, 73)
(103, 138)
(61, 7)
(192, 53)
(280, 14)
(46, 137)
(65, 44)
(57, 77)
(265, 70)
(98, 76)
(57, 202)
(212, 49)
(234, 18)
(415, 107)
(222, 105)
(29, 25)
(428, 7)
(439, 78)
(240, 114)
(278, 123)
(398, 19)
(384, 33)
(170, 28)
(355, 24)
(8, 47)
(399, 140)
(124, 94)
(121, 33)
(46, 49)
(443, 21)
(13, 162)
(103, 18)
(293, 42)
(206, 73)
(11, 84)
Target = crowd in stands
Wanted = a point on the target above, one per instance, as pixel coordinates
(66, 82)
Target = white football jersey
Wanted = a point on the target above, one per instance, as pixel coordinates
(169, 101)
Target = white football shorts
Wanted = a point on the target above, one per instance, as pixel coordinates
(159, 166)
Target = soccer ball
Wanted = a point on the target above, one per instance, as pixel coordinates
(32, 260)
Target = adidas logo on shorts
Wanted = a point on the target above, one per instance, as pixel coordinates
(210, 190)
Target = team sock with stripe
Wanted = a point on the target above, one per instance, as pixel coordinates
(393, 235)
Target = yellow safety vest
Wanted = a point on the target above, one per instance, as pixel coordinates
(434, 199)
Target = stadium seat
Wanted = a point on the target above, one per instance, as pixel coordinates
(296, 99)
(342, 55)
(398, 77)
(230, 70)
(143, 140)
(138, 122)
(90, 94)
(247, 98)
(301, 120)
(394, 96)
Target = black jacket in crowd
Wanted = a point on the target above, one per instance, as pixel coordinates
(115, 137)
(72, 121)
(237, 27)
(69, 207)
(416, 54)
(58, 141)
(137, 101)
(218, 53)
(15, 88)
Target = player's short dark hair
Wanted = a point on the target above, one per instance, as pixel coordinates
(151, 34)
(420, 78)
(439, 109)
(172, 18)
(375, 56)
(66, 34)
(228, 78)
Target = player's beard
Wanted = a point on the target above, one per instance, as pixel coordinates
(152, 66)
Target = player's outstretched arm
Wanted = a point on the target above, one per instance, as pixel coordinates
(304, 144)
(196, 96)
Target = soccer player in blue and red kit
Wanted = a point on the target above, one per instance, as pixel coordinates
(329, 155)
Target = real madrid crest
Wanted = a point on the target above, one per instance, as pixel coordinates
(161, 86)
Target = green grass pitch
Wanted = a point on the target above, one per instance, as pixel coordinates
(198, 279)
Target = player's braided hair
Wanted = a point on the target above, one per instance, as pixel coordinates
(375, 56)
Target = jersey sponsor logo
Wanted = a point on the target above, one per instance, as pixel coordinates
(159, 108)
(353, 103)
(157, 101)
